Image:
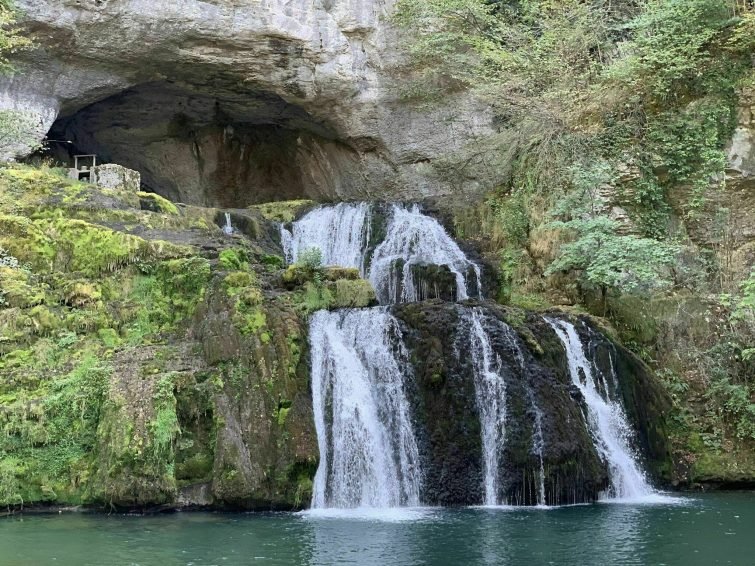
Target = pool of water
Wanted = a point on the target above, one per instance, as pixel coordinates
(704, 529)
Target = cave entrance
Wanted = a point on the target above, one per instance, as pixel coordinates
(197, 149)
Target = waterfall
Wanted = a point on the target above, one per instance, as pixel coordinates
(605, 418)
(417, 239)
(538, 445)
(490, 394)
(228, 228)
(368, 452)
(341, 232)
(287, 244)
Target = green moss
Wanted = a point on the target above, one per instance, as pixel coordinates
(284, 211)
(49, 433)
(236, 281)
(109, 337)
(341, 273)
(17, 289)
(195, 468)
(250, 320)
(273, 261)
(80, 293)
(353, 293)
(27, 241)
(167, 297)
(234, 259)
(315, 297)
(156, 203)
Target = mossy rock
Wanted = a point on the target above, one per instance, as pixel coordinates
(155, 203)
(343, 273)
(352, 293)
(284, 211)
(18, 290)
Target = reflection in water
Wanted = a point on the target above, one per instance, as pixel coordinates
(712, 529)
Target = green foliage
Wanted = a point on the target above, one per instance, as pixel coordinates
(234, 259)
(273, 261)
(164, 427)
(310, 260)
(746, 305)
(670, 46)
(600, 255)
(48, 433)
(605, 259)
(11, 40)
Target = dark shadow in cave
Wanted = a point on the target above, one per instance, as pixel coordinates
(200, 150)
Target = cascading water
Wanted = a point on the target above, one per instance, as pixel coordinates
(369, 456)
(538, 445)
(605, 418)
(368, 452)
(417, 239)
(340, 232)
(491, 371)
(490, 392)
(228, 228)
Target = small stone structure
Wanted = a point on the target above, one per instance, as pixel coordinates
(112, 176)
(107, 176)
(83, 168)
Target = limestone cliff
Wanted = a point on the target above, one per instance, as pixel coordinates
(234, 102)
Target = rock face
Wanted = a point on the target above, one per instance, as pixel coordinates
(541, 395)
(231, 103)
(727, 221)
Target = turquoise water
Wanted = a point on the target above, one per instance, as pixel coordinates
(705, 529)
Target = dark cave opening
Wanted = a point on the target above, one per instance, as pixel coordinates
(198, 149)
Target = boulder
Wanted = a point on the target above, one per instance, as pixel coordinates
(112, 176)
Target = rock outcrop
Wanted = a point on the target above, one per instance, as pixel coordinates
(231, 103)
(540, 399)
(726, 222)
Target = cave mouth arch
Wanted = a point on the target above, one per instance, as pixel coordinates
(204, 150)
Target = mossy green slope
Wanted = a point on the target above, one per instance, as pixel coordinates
(117, 385)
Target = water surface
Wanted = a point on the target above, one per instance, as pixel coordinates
(700, 530)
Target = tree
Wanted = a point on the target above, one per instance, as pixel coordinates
(599, 254)
(11, 39)
(603, 258)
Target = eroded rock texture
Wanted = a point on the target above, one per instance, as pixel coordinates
(230, 103)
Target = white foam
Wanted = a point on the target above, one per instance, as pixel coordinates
(377, 514)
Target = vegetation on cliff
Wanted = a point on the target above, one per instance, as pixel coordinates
(613, 122)
(140, 355)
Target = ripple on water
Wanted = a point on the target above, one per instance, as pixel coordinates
(385, 515)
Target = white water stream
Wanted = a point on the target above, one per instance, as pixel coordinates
(368, 453)
(605, 418)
